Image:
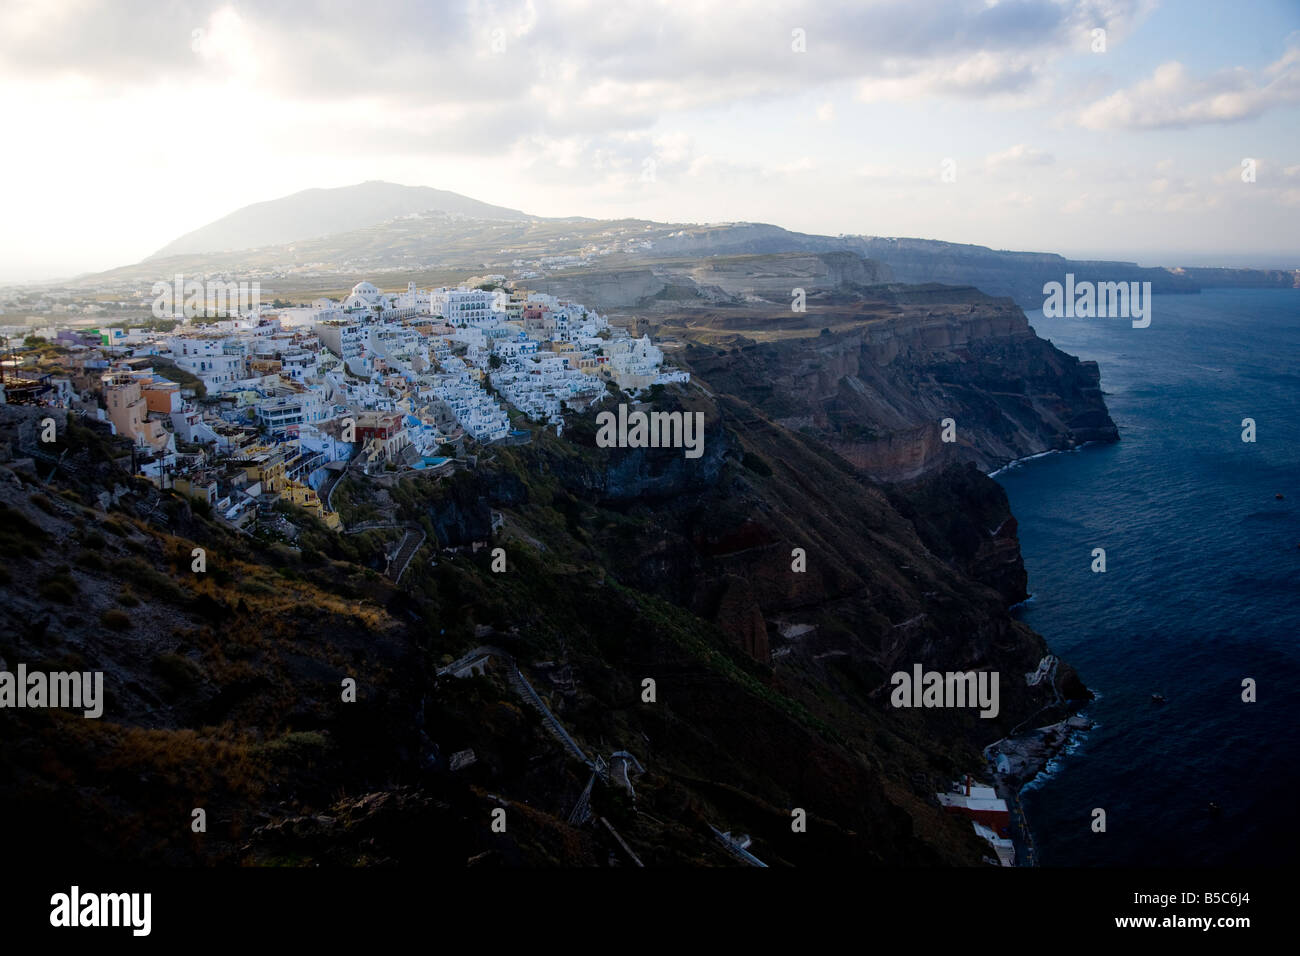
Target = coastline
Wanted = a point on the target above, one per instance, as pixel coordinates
(1236, 508)
(1018, 760)
(1016, 462)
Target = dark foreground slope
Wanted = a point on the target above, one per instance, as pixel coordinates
(620, 566)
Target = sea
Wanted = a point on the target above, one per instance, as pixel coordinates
(1201, 588)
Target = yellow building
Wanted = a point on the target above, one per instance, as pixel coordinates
(205, 489)
(265, 465)
(296, 493)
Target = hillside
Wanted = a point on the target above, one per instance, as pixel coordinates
(223, 687)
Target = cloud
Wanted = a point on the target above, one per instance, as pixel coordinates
(1274, 184)
(614, 161)
(1173, 98)
(619, 162)
(563, 68)
(982, 75)
(884, 174)
(1019, 155)
(1077, 204)
(803, 164)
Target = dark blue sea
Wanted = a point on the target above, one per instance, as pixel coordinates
(1201, 590)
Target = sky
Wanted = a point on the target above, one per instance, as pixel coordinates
(1164, 133)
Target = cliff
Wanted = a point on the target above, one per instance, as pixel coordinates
(878, 384)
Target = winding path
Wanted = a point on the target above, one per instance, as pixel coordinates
(473, 659)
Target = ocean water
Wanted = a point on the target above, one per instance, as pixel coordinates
(1201, 588)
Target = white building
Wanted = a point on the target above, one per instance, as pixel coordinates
(283, 414)
(347, 340)
(366, 296)
(218, 360)
(471, 307)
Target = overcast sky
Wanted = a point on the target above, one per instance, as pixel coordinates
(131, 123)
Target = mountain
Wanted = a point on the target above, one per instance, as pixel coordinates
(298, 247)
(313, 213)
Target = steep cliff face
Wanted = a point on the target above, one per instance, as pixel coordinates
(878, 391)
(964, 518)
(818, 583)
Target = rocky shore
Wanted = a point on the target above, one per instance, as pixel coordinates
(1016, 760)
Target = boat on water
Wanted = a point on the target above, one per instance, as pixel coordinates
(1157, 698)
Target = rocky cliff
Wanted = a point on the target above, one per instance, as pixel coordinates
(878, 386)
